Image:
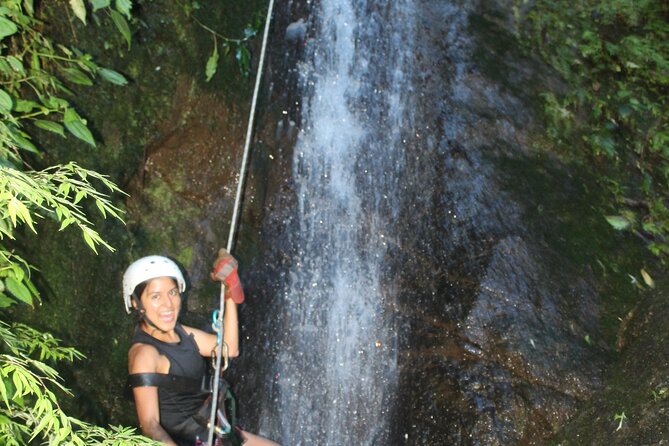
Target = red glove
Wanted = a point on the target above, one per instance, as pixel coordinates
(225, 270)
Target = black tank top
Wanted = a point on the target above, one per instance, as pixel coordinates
(176, 405)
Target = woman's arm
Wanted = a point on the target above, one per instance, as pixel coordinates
(225, 271)
(206, 342)
(143, 358)
(146, 401)
(231, 328)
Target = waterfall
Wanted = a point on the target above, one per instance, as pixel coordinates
(337, 366)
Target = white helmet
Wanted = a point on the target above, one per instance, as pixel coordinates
(148, 268)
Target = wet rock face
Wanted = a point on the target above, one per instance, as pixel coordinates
(497, 318)
(493, 320)
(637, 385)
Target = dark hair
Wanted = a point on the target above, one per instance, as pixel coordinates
(139, 289)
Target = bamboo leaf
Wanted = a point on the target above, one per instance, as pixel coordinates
(24, 214)
(18, 290)
(88, 238)
(11, 209)
(81, 194)
(65, 223)
(79, 9)
(122, 25)
(50, 126)
(101, 208)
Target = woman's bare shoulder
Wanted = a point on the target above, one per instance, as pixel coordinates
(143, 358)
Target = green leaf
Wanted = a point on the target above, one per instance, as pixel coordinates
(23, 106)
(81, 194)
(65, 223)
(29, 6)
(79, 9)
(243, 57)
(88, 238)
(112, 76)
(212, 64)
(23, 143)
(77, 76)
(647, 278)
(75, 125)
(6, 102)
(50, 126)
(124, 7)
(18, 290)
(122, 25)
(35, 63)
(7, 27)
(16, 65)
(618, 222)
(56, 103)
(18, 272)
(6, 301)
(5, 68)
(99, 4)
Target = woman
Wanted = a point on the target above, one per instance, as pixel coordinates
(166, 365)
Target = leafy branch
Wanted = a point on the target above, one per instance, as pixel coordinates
(238, 46)
(29, 408)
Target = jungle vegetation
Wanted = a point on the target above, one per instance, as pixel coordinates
(613, 113)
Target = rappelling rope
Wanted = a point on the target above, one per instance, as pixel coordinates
(233, 222)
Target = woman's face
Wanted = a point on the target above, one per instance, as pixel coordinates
(161, 301)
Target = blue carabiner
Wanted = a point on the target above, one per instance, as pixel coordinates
(216, 325)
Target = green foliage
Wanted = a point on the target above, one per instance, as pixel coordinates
(32, 71)
(29, 407)
(238, 46)
(614, 57)
(34, 97)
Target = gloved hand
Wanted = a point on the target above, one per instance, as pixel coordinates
(225, 270)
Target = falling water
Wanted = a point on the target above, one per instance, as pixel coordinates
(337, 367)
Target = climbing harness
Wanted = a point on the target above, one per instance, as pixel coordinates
(218, 324)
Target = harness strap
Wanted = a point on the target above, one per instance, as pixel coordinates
(175, 382)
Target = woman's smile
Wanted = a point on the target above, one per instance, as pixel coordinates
(161, 302)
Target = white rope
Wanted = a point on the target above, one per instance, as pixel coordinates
(249, 131)
(235, 217)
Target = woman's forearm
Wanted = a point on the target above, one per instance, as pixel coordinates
(156, 432)
(231, 328)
